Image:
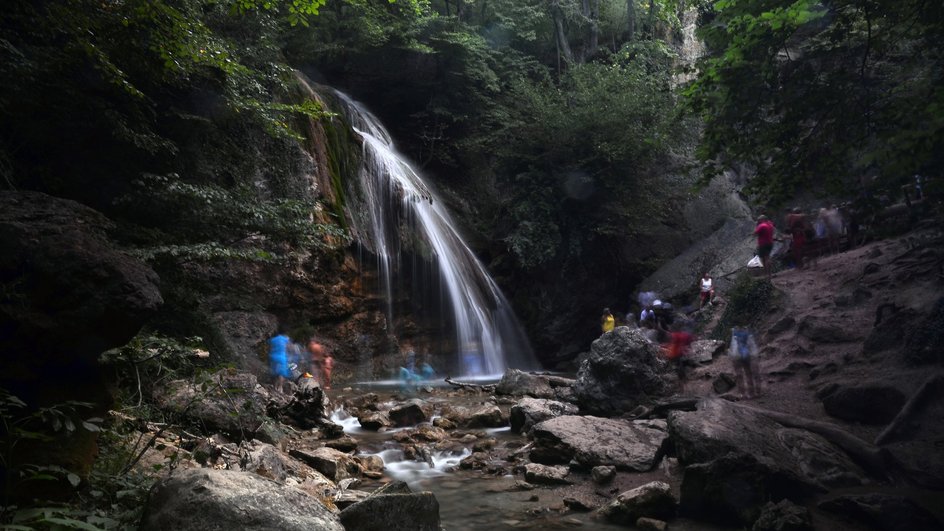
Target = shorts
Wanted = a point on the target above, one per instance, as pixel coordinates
(763, 251)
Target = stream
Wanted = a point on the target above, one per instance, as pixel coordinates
(475, 500)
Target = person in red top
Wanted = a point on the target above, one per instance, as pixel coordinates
(676, 350)
(796, 224)
(765, 241)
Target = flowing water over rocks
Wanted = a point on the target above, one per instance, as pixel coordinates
(400, 215)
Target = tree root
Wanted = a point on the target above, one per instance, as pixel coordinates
(878, 461)
(488, 388)
(908, 410)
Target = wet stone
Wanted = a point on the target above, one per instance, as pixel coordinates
(603, 474)
(783, 516)
(546, 475)
(651, 524)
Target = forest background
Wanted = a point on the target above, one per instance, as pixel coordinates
(567, 135)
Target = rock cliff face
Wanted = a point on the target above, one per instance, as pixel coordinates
(67, 294)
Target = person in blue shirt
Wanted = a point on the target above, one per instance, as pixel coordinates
(278, 359)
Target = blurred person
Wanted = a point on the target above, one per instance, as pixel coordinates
(607, 322)
(796, 224)
(707, 293)
(764, 230)
(278, 359)
(680, 339)
(743, 351)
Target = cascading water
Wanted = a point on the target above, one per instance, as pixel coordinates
(488, 338)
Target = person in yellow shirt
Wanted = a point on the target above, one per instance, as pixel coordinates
(608, 322)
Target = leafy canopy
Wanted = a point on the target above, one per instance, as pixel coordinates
(821, 95)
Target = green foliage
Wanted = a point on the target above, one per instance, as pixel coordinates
(819, 95)
(204, 222)
(591, 146)
(22, 430)
(748, 302)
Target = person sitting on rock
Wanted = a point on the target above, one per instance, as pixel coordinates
(743, 352)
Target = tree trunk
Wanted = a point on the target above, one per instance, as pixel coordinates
(630, 20)
(560, 34)
(652, 19)
(594, 42)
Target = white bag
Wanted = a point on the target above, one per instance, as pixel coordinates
(755, 262)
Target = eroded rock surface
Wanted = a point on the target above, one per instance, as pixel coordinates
(223, 500)
(623, 370)
(652, 500)
(737, 459)
(530, 411)
(393, 512)
(594, 441)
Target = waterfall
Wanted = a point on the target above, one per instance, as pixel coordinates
(392, 195)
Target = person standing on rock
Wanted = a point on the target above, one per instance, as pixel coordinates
(278, 359)
(327, 366)
(607, 322)
(680, 340)
(743, 352)
(707, 290)
(765, 241)
(796, 224)
(317, 352)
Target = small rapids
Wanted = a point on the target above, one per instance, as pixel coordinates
(473, 500)
(439, 464)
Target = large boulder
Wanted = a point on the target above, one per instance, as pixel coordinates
(519, 383)
(734, 488)
(783, 516)
(333, 464)
(594, 441)
(307, 408)
(870, 403)
(723, 252)
(268, 461)
(66, 295)
(244, 336)
(737, 459)
(623, 370)
(884, 512)
(411, 412)
(227, 401)
(221, 500)
(530, 411)
(393, 512)
(487, 416)
(652, 500)
(375, 420)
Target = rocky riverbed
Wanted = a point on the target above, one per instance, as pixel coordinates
(534, 451)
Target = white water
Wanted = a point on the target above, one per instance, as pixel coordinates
(489, 338)
(412, 471)
(342, 418)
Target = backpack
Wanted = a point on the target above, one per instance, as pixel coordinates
(741, 337)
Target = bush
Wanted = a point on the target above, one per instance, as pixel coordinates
(748, 302)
